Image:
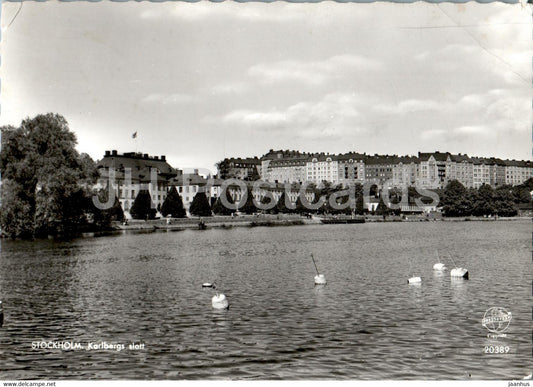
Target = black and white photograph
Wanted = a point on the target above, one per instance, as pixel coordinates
(266, 191)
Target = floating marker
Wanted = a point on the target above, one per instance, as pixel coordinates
(219, 301)
(459, 272)
(414, 280)
(320, 279)
(208, 285)
(439, 267)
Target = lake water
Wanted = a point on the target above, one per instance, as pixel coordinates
(367, 323)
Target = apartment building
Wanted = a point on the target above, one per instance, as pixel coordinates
(323, 167)
(351, 167)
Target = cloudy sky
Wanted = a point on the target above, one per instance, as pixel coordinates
(203, 81)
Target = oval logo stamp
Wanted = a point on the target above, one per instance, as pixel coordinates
(496, 320)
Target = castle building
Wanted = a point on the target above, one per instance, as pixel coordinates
(134, 172)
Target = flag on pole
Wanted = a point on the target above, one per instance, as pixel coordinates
(134, 135)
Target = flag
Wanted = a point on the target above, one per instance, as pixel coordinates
(134, 135)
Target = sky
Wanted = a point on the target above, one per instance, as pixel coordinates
(202, 81)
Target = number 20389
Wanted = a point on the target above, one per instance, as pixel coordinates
(497, 349)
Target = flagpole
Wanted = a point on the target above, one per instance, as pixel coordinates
(134, 136)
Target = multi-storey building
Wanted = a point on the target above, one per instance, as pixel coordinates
(481, 172)
(284, 166)
(351, 167)
(323, 167)
(433, 166)
(496, 171)
(379, 169)
(240, 168)
(134, 172)
(405, 171)
(461, 169)
(516, 172)
(288, 170)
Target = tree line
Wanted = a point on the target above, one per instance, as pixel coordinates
(457, 200)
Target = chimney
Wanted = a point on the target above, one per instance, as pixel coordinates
(156, 157)
(114, 152)
(107, 153)
(196, 171)
(163, 158)
(145, 156)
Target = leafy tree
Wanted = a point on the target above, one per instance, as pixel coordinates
(45, 180)
(220, 209)
(249, 206)
(456, 200)
(413, 195)
(396, 199)
(382, 208)
(482, 201)
(281, 207)
(374, 190)
(528, 184)
(200, 205)
(522, 192)
(299, 207)
(89, 166)
(267, 199)
(341, 201)
(360, 205)
(103, 218)
(17, 211)
(504, 202)
(142, 206)
(173, 205)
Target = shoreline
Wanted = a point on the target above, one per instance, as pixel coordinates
(252, 221)
(227, 222)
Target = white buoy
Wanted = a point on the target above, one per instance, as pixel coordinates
(208, 285)
(459, 272)
(414, 280)
(320, 279)
(439, 267)
(219, 301)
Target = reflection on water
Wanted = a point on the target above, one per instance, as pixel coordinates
(366, 323)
